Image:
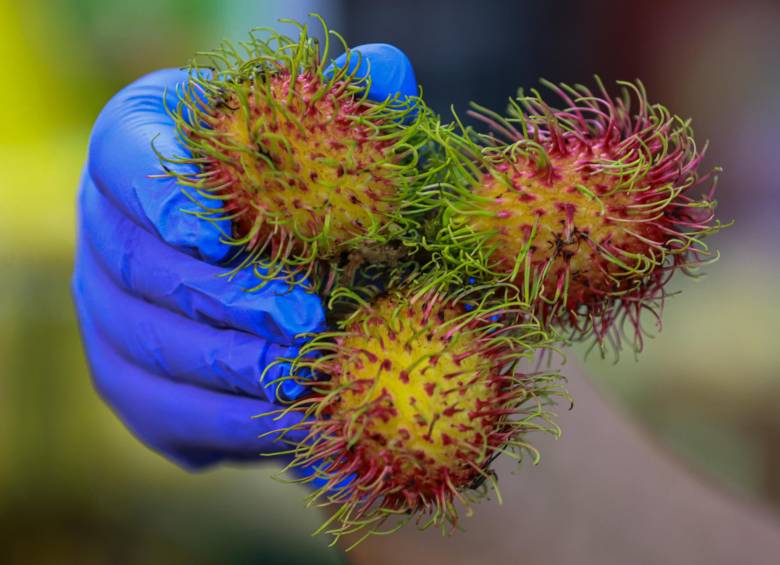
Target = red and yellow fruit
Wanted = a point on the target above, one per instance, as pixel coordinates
(572, 217)
(302, 163)
(596, 201)
(418, 396)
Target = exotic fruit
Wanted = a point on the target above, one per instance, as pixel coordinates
(593, 205)
(449, 262)
(306, 167)
(419, 395)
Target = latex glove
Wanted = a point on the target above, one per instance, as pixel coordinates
(175, 349)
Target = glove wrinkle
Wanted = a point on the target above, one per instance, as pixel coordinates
(148, 268)
(169, 344)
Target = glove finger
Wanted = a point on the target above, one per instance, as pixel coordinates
(168, 344)
(121, 162)
(390, 70)
(146, 267)
(191, 426)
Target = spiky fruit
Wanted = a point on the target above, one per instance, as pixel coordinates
(305, 166)
(420, 395)
(593, 206)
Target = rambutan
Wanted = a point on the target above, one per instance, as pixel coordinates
(417, 395)
(570, 218)
(591, 207)
(306, 167)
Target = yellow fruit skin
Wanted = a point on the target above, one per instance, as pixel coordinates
(416, 392)
(299, 162)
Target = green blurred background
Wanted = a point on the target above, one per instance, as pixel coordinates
(76, 487)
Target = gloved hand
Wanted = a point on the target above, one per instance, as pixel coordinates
(174, 348)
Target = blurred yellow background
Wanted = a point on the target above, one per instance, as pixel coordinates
(76, 487)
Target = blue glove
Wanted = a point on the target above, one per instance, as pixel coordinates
(174, 348)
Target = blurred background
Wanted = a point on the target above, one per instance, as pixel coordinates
(76, 487)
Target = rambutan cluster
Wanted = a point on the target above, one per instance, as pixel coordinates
(445, 277)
